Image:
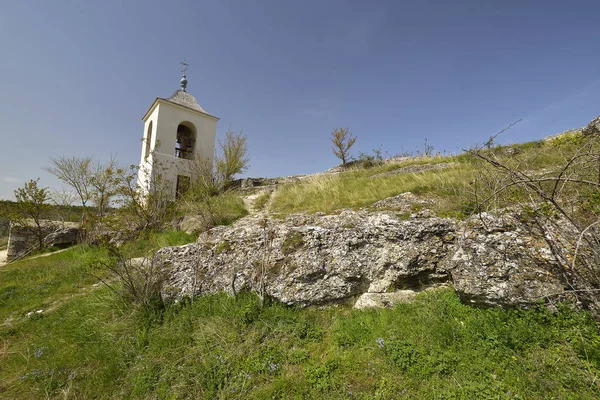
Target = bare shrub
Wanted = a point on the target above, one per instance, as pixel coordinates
(142, 208)
(559, 205)
(139, 279)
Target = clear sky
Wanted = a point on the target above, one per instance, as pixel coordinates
(76, 77)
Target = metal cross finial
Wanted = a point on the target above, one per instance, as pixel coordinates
(183, 80)
(184, 67)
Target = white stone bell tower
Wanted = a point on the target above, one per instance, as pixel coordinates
(176, 131)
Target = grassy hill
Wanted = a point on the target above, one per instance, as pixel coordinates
(87, 342)
(64, 335)
(450, 188)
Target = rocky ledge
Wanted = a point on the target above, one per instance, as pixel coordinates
(366, 259)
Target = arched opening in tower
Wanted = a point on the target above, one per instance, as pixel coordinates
(186, 136)
(148, 141)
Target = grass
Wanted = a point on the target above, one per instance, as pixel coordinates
(222, 209)
(34, 284)
(357, 188)
(91, 344)
(262, 200)
(150, 242)
(228, 207)
(451, 189)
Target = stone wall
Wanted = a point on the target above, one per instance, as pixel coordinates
(23, 237)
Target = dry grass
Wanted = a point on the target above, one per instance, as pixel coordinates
(358, 188)
(261, 200)
(452, 188)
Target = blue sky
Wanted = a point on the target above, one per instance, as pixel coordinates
(76, 77)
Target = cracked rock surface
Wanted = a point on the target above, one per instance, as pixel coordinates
(363, 258)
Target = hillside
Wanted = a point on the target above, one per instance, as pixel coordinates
(66, 336)
(414, 234)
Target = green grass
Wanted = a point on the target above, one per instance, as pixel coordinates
(451, 190)
(153, 241)
(357, 188)
(91, 344)
(34, 284)
(222, 209)
(261, 200)
(228, 207)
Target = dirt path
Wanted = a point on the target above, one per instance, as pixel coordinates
(251, 199)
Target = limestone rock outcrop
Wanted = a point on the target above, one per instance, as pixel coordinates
(23, 237)
(497, 263)
(377, 257)
(62, 236)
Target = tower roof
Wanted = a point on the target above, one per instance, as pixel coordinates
(181, 97)
(185, 99)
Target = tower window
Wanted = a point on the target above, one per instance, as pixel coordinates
(148, 141)
(184, 146)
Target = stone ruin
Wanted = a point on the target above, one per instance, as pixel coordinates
(22, 239)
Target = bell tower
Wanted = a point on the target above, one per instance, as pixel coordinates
(177, 134)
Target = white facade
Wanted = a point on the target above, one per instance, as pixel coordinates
(177, 134)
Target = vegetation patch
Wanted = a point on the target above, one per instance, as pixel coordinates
(453, 190)
(261, 200)
(223, 247)
(91, 344)
(150, 242)
(293, 241)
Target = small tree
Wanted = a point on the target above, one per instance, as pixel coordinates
(31, 208)
(75, 172)
(104, 181)
(92, 180)
(233, 158)
(427, 148)
(342, 142)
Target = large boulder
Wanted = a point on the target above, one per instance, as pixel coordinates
(374, 256)
(62, 236)
(23, 237)
(314, 259)
(498, 263)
